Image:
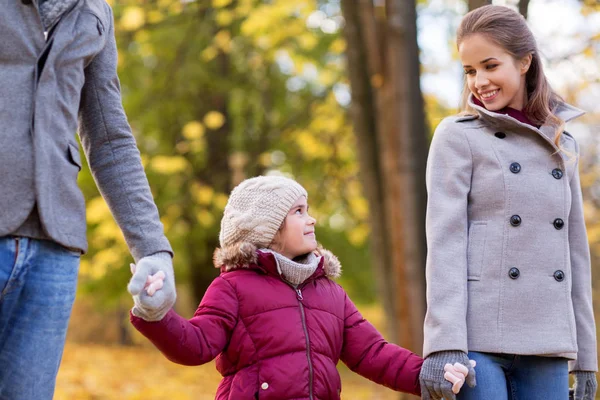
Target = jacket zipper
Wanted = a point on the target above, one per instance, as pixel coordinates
(310, 367)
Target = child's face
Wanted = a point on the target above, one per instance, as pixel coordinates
(493, 75)
(298, 234)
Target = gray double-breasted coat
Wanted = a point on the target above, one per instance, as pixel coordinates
(50, 87)
(508, 264)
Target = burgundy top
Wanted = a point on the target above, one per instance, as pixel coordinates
(511, 112)
(273, 341)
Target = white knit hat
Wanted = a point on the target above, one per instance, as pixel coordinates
(256, 209)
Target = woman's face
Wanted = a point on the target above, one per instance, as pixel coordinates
(493, 76)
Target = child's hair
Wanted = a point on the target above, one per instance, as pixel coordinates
(509, 30)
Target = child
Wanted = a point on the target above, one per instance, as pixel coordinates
(508, 267)
(274, 319)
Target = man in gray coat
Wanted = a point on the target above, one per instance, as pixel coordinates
(58, 73)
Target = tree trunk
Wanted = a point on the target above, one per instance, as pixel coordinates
(411, 159)
(364, 119)
(387, 110)
(473, 4)
(523, 7)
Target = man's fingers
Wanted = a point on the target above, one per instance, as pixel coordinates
(137, 282)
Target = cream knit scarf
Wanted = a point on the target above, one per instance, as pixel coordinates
(298, 270)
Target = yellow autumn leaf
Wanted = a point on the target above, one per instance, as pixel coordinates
(338, 46)
(220, 200)
(97, 210)
(154, 16)
(209, 53)
(193, 130)
(359, 207)
(133, 18)
(308, 41)
(224, 17)
(202, 194)
(205, 218)
(221, 3)
(358, 235)
(168, 165)
(223, 40)
(214, 120)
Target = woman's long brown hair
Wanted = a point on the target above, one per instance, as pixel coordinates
(508, 29)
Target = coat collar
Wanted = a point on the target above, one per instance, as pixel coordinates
(248, 256)
(52, 10)
(564, 111)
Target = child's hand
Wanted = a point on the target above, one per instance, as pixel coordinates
(153, 282)
(456, 374)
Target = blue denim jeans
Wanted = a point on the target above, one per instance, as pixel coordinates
(38, 279)
(514, 377)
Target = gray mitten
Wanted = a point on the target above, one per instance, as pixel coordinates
(585, 385)
(433, 384)
(155, 307)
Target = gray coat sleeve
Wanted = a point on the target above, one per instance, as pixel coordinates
(448, 178)
(113, 156)
(581, 290)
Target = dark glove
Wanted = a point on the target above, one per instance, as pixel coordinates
(585, 385)
(433, 384)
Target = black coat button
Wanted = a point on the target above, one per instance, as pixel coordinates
(559, 223)
(515, 220)
(500, 135)
(514, 273)
(559, 276)
(26, 2)
(515, 168)
(557, 173)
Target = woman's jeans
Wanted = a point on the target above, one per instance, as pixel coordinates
(514, 377)
(38, 279)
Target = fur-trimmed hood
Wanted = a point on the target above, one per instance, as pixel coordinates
(247, 255)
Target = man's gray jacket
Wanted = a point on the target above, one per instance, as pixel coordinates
(50, 87)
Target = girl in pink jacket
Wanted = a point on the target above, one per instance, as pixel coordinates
(274, 319)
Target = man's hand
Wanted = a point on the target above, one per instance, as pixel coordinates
(153, 286)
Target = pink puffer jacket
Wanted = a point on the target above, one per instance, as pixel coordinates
(273, 341)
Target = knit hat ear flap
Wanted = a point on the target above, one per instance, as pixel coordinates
(256, 209)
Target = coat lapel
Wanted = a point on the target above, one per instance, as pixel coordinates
(564, 111)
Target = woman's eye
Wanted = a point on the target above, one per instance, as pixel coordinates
(491, 66)
(469, 72)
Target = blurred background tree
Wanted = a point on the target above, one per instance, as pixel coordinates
(325, 91)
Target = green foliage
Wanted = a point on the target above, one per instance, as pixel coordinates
(217, 91)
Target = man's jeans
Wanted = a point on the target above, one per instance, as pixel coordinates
(38, 279)
(507, 376)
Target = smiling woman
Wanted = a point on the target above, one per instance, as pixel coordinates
(508, 255)
(493, 75)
